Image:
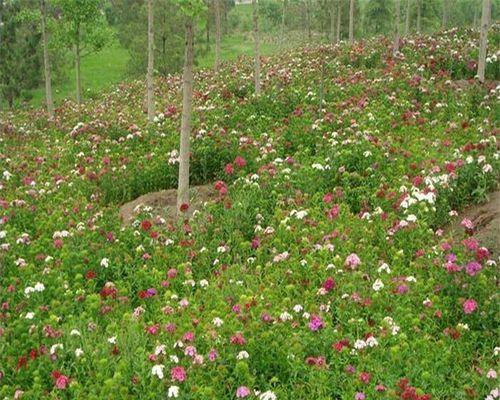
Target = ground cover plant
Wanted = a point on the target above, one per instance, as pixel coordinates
(322, 271)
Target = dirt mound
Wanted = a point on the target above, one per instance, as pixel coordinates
(486, 219)
(163, 203)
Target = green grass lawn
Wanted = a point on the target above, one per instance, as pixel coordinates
(99, 71)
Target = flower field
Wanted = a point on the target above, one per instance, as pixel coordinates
(323, 270)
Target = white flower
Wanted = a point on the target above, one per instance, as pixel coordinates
(285, 316)
(384, 267)
(78, 352)
(173, 358)
(75, 332)
(160, 349)
(56, 346)
(28, 290)
(173, 391)
(359, 344)
(105, 263)
(371, 341)
(297, 308)
(30, 315)
(242, 355)
(39, 287)
(203, 283)
(112, 340)
(157, 370)
(411, 218)
(267, 396)
(217, 322)
(377, 285)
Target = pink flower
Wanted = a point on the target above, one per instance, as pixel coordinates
(473, 268)
(62, 382)
(352, 260)
(212, 356)
(178, 374)
(229, 169)
(316, 323)
(359, 396)
(240, 162)
(365, 377)
(470, 306)
(329, 284)
(467, 224)
(242, 392)
(238, 339)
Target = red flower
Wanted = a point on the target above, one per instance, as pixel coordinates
(240, 162)
(146, 225)
(229, 169)
(184, 207)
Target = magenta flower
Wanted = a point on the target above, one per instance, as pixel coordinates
(352, 260)
(178, 374)
(316, 323)
(242, 392)
(470, 306)
(473, 268)
(359, 396)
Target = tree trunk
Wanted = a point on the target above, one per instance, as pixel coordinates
(396, 28)
(187, 104)
(445, 14)
(339, 14)
(283, 15)
(77, 65)
(474, 21)
(257, 47)
(308, 20)
(150, 82)
(483, 41)
(217, 34)
(407, 20)
(351, 22)
(419, 16)
(208, 28)
(332, 22)
(46, 61)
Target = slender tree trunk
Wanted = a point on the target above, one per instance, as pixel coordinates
(257, 47)
(407, 20)
(419, 16)
(332, 22)
(217, 34)
(283, 16)
(308, 20)
(46, 60)
(208, 28)
(351, 22)
(150, 82)
(483, 41)
(187, 105)
(445, 14)
(77, 65)
(396, 28)
(474, 21)
(339, 15)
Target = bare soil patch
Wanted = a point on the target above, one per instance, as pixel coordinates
(163, 203)
(486, 219)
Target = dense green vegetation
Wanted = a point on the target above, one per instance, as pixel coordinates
(320, 271)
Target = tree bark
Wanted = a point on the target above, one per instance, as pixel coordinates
(187, 105)
(46, 60)
(339, 15)
(77, 67)
(332, 21)
(217, 34)
(351, 22)
(445, 14)
(407, 20)
(283, 15)
(257, 47)
(419, 16)
(396, 28)
(308, 19)
(483, 40)
(150, 82)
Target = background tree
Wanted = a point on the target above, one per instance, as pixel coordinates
(483, 41)
(351, 21)
(83, 28)
(339, 19)
(379, 14)
(191, 9)
(217, 6)
(396, 28)
(20, 65)
(257, 46)
(407, 18)
(149, 78)
(46, 60)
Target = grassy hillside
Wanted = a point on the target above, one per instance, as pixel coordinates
(321, 268)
